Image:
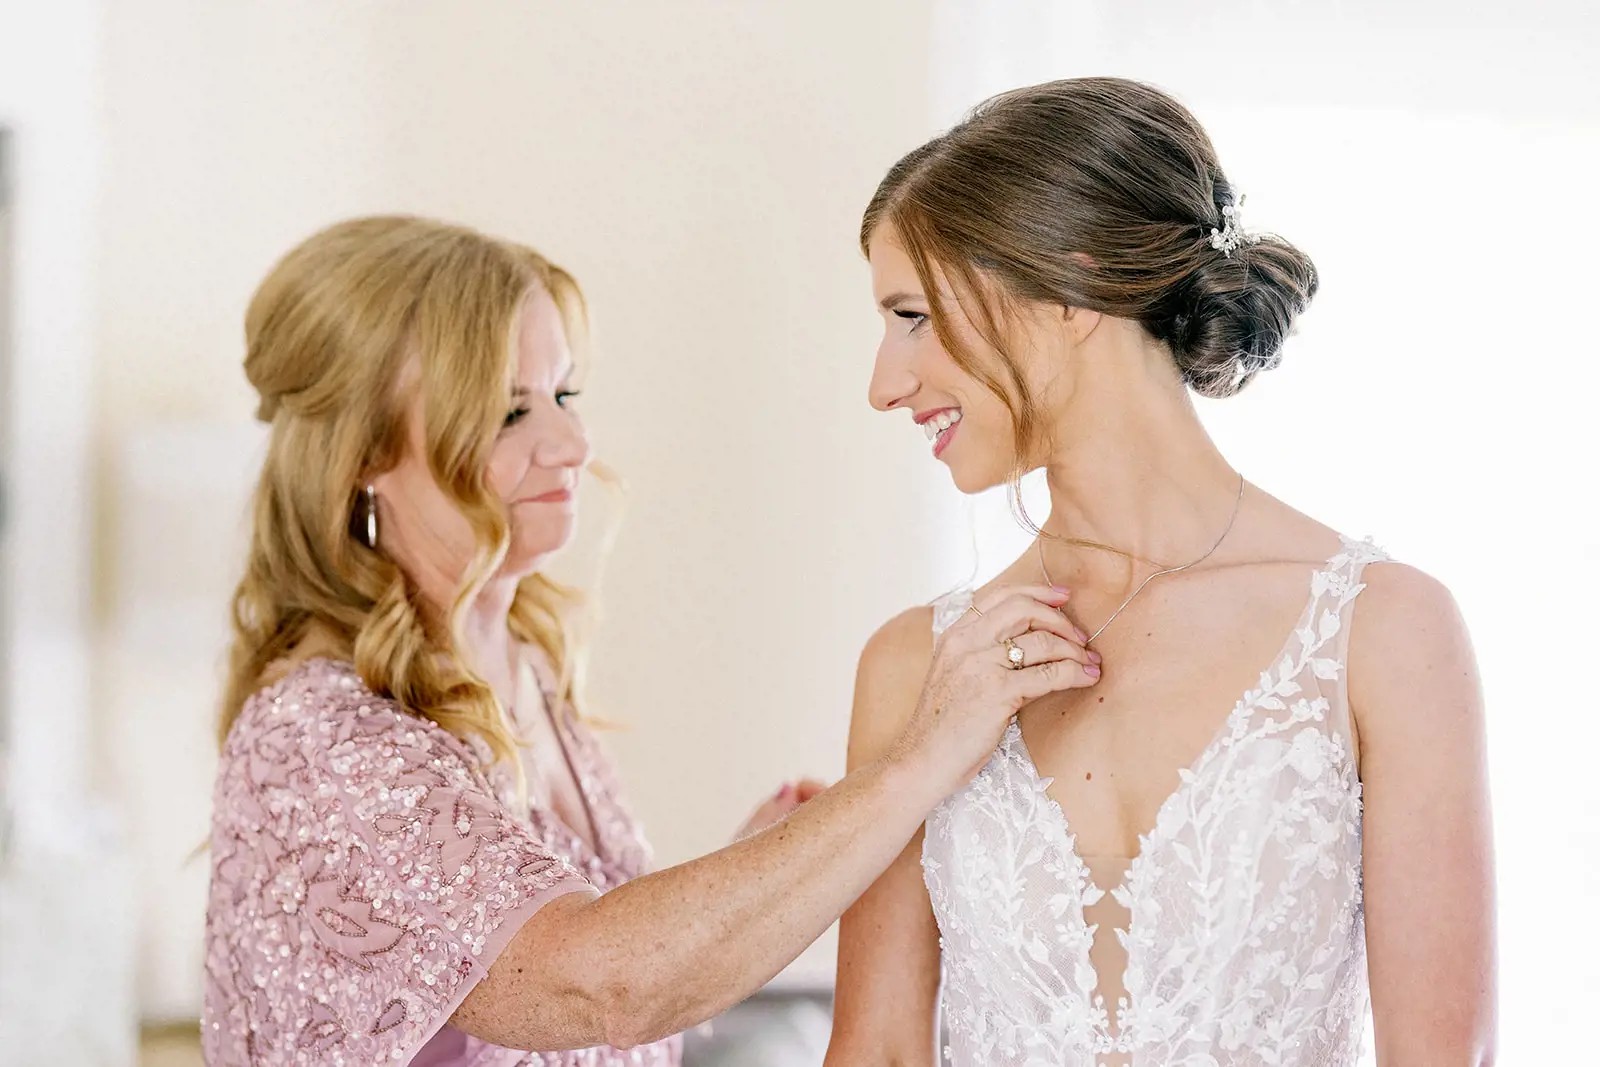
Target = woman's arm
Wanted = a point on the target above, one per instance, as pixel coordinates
(1427, 853)
(886, 1003)
(674, 948)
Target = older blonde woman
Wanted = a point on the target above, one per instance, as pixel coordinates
(420, 854)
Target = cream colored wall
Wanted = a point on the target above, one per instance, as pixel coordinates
(701, 167)
(66, 944)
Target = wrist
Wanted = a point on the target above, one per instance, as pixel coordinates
(910, 774)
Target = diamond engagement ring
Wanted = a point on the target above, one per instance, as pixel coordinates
(1014, 655)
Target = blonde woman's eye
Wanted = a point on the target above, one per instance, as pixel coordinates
(514, 416)
(566, 396)
(916, 318)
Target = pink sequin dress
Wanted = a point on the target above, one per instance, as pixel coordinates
(366, 872)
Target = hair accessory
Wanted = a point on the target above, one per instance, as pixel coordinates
(1232, 234)
(1248, 363)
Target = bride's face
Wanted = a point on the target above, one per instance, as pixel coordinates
(970, 429)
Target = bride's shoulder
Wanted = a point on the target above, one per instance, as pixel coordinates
(1406, 617)
(905, 641)
(889, 679)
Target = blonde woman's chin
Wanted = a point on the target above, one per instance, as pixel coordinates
(530, 553)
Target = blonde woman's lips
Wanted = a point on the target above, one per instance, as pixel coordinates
(554, 496)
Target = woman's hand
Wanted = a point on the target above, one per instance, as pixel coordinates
(790, 797)
(973, 689)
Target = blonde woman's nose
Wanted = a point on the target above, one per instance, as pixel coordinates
(567, 447)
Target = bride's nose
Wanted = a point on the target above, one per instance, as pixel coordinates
(892, 383)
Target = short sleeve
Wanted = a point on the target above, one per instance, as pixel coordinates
(364, 879)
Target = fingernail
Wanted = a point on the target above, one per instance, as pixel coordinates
(785, 791)
(1063, 590)
(1083, 638)
(1094, 657)
(1092, 671)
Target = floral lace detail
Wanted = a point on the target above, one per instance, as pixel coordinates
(365, 874)
(947, 609)
(1245, 943)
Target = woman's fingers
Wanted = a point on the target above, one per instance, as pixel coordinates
(806, 788)
(1052, 676)
(975, 683)
(1014, 618)
(1016, 612)
(1039, 647)
(990, 599)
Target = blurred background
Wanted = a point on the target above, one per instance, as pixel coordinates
(701, 167)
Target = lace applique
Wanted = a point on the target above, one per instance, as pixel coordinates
(1245, 943)
(947, 609)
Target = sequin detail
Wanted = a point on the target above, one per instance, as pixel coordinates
(366, 873)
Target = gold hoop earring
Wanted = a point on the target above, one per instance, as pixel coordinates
(371, 496)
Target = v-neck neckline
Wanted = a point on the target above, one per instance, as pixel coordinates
(1187, 775)
(590, 842)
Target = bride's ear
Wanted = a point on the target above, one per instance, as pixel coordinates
(1080, 320)
(1080, 323)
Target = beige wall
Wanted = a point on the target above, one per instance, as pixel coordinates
(701, 167)
(66, 994)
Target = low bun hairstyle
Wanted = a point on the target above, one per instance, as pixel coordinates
(1099, 193)
(1227, 319)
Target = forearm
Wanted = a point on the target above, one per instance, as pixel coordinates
(681, 945)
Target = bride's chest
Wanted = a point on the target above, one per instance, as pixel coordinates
(1112, 752)
(1268, 812)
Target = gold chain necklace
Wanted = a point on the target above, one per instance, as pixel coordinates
(1170, 570)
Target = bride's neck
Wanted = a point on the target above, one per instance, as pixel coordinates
(1138, 472)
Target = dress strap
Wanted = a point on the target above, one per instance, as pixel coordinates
(948, 608)
(1336, 589)
(1341, 582)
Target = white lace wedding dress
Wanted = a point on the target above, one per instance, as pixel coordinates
(1238, 927)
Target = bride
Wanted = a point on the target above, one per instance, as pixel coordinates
(1272, 808)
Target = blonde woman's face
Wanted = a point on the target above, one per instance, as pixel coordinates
(542, 447)
(533, 468)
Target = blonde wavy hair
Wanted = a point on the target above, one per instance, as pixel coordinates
(328, 334)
